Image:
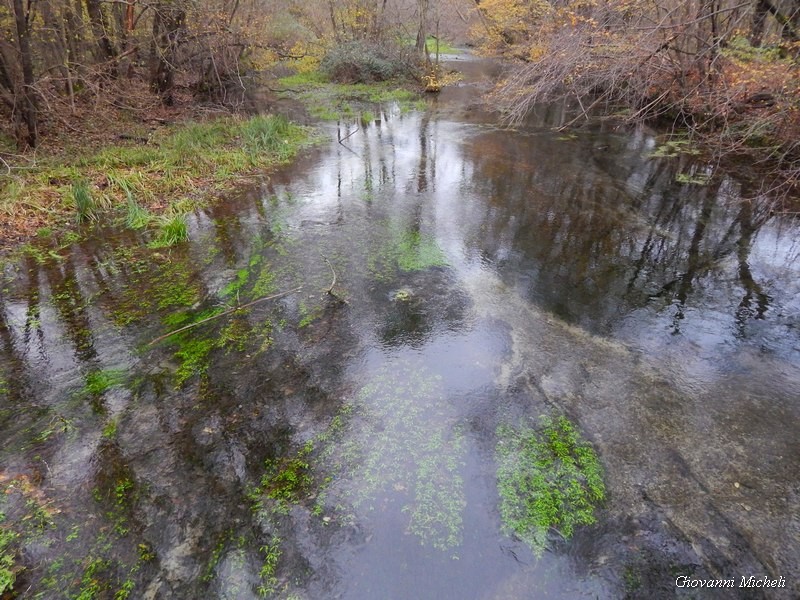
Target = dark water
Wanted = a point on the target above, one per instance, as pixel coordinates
(483, 277)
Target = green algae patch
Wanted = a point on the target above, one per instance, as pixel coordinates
(548, 479)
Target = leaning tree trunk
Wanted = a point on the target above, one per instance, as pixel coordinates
(167, 24)
(25, 98)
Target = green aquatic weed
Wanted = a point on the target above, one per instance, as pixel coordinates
(548, 479)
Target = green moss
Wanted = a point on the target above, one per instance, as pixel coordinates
(193, 354)
(110, 430)
(231, 289)
(256, 274)
(152, 282)
(309, 314)
(547, 479)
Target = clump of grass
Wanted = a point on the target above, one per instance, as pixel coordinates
(172, 231)
(269, 134)
(85, 206)
(549, 479)
(136, 217)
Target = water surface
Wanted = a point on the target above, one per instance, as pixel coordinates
(483, 276)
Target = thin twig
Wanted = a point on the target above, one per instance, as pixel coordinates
(222, 314)
(349, 134)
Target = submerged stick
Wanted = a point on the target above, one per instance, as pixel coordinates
(333, 272)
(223, 313)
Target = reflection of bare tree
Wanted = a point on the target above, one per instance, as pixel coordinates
(694, 261)
(748, 226)
(13, 373)
(591, 249)
(33, 321)
(71, 306)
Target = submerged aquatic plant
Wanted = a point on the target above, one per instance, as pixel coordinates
(549, 479)
(98, 382)
(407, 250)
(8, 573)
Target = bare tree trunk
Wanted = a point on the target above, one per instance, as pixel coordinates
(26, 98)
(168, 21)
(100, 29)
(760, 13)
(422, 31)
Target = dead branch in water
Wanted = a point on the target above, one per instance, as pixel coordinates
(333, 282)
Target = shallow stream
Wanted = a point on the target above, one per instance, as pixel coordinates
(344, 444)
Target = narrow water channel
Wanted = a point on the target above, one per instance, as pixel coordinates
(344, 445)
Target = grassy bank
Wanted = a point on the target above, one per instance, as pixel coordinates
(146, 181)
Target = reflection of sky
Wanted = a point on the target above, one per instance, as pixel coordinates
(590, 228)
(598, 236)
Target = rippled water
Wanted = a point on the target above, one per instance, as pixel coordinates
(483, 276)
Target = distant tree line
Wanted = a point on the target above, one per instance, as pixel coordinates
(54, 53)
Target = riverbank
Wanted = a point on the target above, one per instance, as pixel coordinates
(142, 177)
(147, 170)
